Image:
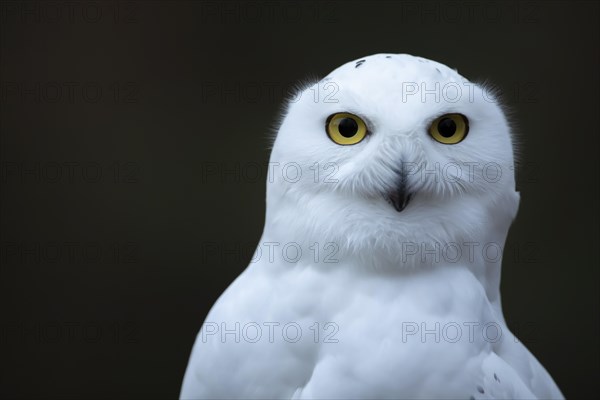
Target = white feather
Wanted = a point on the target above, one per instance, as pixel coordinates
(358, 281)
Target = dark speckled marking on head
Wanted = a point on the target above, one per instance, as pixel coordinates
(388, 56)
(439, 72)
(359, 63)
(480, 389)
(496, 378)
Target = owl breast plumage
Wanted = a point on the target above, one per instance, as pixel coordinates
(389, 197)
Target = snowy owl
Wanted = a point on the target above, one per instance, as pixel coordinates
(389, 197)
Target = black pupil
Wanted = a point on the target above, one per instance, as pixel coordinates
(447, 127)
(348, 127)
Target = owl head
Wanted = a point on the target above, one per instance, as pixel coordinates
(391, 150)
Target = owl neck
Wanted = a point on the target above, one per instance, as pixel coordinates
(324, 232)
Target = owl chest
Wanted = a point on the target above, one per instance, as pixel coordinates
(405, 315)
(331, 331)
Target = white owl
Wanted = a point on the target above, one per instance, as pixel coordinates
(390, 194)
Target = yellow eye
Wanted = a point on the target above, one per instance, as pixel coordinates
(449, 128)
(346, 128)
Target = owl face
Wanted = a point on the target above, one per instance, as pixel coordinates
(395, 147)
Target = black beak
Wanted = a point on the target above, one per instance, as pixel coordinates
(399, 198)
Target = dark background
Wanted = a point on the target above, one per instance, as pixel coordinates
(130, 138)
